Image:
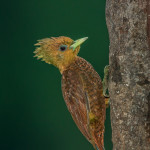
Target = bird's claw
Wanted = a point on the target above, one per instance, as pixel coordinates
(105, 81)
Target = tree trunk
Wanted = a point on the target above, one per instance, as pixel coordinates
(128, 23)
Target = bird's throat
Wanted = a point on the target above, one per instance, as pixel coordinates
(63, 66)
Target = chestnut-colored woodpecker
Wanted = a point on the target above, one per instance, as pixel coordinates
(82, 87)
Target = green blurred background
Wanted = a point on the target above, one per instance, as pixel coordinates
(33, 114)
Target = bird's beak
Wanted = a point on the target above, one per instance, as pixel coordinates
(78, 43)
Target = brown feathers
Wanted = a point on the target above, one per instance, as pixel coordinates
(82, 91)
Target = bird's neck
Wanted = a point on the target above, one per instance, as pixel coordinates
(63, 66)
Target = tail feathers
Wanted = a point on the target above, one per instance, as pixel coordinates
(102, 148)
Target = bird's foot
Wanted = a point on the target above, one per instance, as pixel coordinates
(105, 81)
(105, 85)
(107, 102)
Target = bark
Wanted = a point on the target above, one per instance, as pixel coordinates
(128, 24)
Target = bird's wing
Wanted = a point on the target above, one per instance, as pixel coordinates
(82, 92)
(76, 100)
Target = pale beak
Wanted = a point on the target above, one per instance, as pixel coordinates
(78, 43)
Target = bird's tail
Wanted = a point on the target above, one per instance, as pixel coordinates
(102, 148)
(99, 142)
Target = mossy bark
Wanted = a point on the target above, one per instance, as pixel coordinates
(128, 24)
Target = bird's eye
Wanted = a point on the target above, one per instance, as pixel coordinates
(63, 47)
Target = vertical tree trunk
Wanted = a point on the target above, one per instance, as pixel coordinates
(128, 23)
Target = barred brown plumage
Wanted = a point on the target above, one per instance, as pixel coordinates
(82, 91)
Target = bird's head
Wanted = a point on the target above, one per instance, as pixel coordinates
(59, 51)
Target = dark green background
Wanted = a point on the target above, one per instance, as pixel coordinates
(33, 115)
